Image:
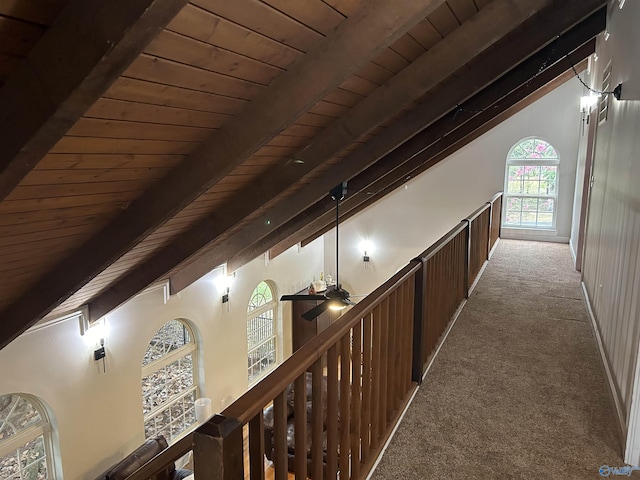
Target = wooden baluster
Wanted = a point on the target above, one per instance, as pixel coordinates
(430, 306)
(256, 447)
(428, 310)
(218, 449)
(384, 357)
(280, 460)
(331, 471)
(376, 368)
(317, 427)
(356, 401)
(345, 400)
(392, 354)
(418, 342)
(300, 426)
(409, 333)
(365, 425)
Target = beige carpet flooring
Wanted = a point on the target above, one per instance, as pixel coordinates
(518, 389)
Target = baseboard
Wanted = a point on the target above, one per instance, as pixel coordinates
(573, 252)
(408, 404)
(436, 351)
(443, 338)
(632, 448)
(393, 432)
(613, 391)
(541, 236)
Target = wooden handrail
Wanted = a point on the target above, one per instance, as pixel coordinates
(252, 402)
(495, 197)
(478, 212)
(446, 238)
(248, 407)
(163, 459)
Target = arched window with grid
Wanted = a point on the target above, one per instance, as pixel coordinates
(531, 185)
(25, 439)
(261, 331)
(169, 389)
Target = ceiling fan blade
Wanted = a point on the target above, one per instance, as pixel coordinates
(349, 302)
(303, 297)
(315, 311)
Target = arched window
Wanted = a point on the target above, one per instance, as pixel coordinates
(531, 185)
(261, 331)
(169, 389)
(25, 439)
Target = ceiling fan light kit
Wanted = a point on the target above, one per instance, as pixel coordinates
(334, 297)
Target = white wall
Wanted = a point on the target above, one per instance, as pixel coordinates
(99, 415)
(409, 220)
(611, 267)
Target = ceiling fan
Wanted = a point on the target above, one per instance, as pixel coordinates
(334, 297)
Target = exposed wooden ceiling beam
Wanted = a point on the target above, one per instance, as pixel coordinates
(83, 51)
(500, 60)
(436, 142)
(402, 162)
(354, 42)
(510, 105)
(459, 47)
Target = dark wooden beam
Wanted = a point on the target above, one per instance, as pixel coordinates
(460, 137)
(402, 161)
(546, 28)
(83, 51)
(354, 42)
(443, 138)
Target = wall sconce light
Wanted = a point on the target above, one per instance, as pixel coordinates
(629, 90)
(588, 101)
(366, 247)
(224, 283)
(95, 335)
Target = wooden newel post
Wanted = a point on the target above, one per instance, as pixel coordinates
(217, 450)
(467, 258)
(419, 321)
(490, 225)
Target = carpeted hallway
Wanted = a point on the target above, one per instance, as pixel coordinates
(518, 389)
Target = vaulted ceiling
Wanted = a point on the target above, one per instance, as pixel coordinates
(157, 139)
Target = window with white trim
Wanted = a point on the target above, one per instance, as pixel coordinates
(261, 331)
(531, 185)
(25, 439)
(169, 389)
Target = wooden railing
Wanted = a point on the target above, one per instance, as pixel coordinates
(361, 377)
(478, 240)
(444, 287)
(362, 371)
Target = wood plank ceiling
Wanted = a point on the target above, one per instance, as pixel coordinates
(189, 134)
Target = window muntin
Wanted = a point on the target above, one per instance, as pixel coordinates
(261, 334)
(531, 185)
(169, 389)
(25, 446)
